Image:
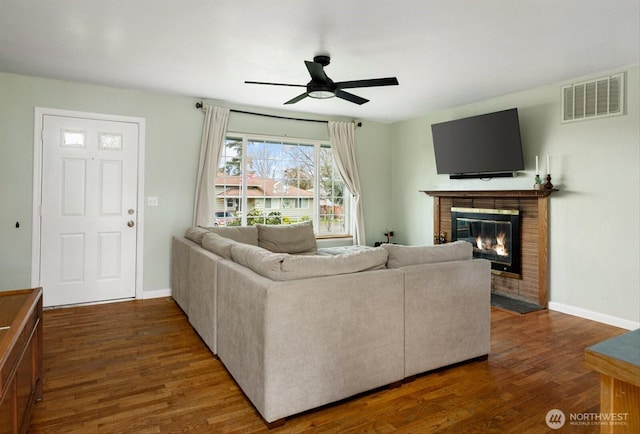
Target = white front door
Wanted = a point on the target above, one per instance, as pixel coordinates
(88, 211)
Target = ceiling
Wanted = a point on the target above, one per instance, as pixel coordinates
(443, 52)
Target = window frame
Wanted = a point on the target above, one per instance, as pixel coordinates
(347, 211)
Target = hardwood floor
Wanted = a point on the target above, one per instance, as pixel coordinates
(138, 367)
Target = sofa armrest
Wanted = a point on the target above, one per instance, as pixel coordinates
(180, 247)
(297, 345)
(202, 294)
(447, 313)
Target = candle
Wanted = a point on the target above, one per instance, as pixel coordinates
(548, 167)
(537, 165)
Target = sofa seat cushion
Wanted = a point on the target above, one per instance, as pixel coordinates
(295, 238)
(282, 266)
(401, 256)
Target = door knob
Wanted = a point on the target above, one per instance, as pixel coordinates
(130, 223)
(131, 211)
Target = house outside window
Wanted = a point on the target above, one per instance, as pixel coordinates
(273, 180)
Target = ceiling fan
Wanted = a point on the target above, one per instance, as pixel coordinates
(322, 87)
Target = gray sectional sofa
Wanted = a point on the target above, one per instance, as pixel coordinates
(299, 327)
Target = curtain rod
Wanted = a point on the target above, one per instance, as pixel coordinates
(199, 105)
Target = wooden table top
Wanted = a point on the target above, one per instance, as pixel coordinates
(618, 357)
(10, 304)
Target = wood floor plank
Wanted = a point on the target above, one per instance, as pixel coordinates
(138, 367)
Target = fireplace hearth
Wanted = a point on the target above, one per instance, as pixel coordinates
(494, 234)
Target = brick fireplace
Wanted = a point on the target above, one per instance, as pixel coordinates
(531, 282)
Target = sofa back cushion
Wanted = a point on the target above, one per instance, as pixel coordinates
(400, 256)
(196, 233)
(303, 267)
(217, 244)
(296, 238)
(259, 260)
(282, 266)
(241, 234)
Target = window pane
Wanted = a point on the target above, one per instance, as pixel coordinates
(281, 179)
(228, 188)
(73, 139)
(280, 182)
(332, 217)
(110, 141)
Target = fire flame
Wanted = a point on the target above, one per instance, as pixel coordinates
(499, 247)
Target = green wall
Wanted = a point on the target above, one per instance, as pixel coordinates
(173, 131)
(594, 218)
(596, 165)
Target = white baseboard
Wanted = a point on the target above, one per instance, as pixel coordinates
(158, 293)
(594, 316)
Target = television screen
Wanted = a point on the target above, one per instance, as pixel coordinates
(488, 144)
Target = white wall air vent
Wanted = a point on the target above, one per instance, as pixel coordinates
(592, 99)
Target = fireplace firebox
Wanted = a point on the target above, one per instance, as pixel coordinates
(494, 234)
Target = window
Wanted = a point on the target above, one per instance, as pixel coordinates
(281, 181)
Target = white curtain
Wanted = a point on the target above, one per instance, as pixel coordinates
(343, 144)
(213, 135)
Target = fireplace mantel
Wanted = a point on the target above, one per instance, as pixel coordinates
(534, 211)
(490, 193)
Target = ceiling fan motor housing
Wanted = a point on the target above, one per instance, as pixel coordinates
(322, 60)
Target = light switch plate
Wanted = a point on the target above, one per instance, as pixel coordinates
(152, 201)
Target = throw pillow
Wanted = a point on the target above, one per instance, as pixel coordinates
(296, 238)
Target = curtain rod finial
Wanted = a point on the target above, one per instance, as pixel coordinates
(199, 105)
(357, 123)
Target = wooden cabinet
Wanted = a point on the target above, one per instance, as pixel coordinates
(20, 357)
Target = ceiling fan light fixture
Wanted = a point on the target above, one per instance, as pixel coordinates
(321, 94)
(320, 90)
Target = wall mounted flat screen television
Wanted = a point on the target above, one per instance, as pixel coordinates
(483, 146)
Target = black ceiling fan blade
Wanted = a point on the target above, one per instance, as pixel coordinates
(389, 81)
(275, 84)
(351, 97)
(296, 99)
(316, 70)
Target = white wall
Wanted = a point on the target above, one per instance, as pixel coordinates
(594, 218)
(173, 131)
